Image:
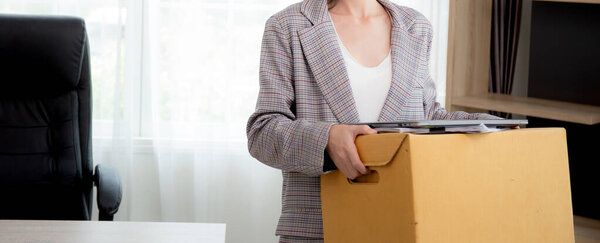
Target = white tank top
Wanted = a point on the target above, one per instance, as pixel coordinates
(370, 85)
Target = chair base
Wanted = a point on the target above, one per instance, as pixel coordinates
(105, 217)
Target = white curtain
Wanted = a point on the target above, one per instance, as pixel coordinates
(174, 82)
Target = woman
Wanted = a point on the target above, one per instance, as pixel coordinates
(326, 63)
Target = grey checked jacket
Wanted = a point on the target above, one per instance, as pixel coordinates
(304, 89)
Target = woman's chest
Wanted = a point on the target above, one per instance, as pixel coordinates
(369, 43)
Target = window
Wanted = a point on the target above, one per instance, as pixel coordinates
(158, 66)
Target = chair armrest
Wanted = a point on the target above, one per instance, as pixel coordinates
(108, 182)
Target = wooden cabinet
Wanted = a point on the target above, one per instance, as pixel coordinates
(469, 64)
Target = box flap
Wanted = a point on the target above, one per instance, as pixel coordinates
(379, 149)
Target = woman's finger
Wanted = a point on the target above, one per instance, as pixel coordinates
(355, 160)
(364, 130)
(350, 171)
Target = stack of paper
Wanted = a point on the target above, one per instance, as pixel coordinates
(481, 128)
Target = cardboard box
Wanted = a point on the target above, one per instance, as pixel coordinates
(509, 186)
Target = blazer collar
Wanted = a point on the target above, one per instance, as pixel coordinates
(322, 52)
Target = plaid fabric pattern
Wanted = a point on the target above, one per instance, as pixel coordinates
(295, 239)
(304, 89)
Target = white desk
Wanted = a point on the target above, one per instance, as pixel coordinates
(103, 231)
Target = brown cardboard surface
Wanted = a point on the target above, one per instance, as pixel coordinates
(510, 186)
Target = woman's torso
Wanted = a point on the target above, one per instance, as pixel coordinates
(369, 65)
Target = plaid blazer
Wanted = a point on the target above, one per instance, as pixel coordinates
(304, 89)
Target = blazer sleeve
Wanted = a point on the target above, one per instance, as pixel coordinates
(276, 137)
(433, 109)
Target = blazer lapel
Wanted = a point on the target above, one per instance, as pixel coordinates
(321, 50)
(404, 67)
(403, 78)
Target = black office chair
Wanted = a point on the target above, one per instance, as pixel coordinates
(45, 123)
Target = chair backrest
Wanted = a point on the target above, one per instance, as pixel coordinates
(45, 118)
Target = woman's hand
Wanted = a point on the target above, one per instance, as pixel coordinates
(342, 150)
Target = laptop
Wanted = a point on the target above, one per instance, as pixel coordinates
(441, 124)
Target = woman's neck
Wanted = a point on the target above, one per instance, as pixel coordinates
(357, 8)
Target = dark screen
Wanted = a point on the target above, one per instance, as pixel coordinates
(565, 52)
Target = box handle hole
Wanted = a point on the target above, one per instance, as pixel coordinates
(371, 178)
